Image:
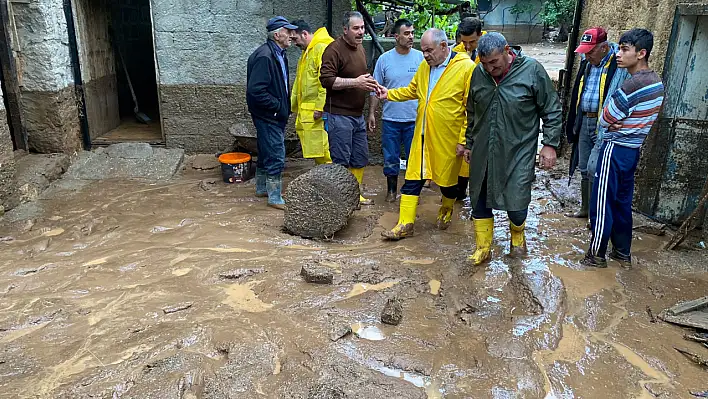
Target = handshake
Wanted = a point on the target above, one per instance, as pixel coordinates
(368, 83)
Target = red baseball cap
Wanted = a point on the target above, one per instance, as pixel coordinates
(591, 38)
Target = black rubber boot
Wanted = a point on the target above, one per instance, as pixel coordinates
(462, 184)
(585, 187)
(392, 192)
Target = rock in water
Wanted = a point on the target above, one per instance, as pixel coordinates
(392, 313)
(317, 274)
(320, 201)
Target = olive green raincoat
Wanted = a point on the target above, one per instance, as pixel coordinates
(503, 128)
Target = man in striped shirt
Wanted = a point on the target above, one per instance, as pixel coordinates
(624, 124)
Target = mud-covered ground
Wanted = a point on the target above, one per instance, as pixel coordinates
(123, 289)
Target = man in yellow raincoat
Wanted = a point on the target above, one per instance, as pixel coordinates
(308, 95)
(469, 31)
(441, 86)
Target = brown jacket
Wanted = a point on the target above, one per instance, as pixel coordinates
(341, 60)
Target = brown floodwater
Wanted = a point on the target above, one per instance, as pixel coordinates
(126, 289)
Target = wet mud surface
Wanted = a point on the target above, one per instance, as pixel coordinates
(123, 289)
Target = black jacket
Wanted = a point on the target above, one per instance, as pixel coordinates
(267, 95)
(575, 117)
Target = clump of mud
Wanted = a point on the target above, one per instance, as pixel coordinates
(392, 312)
(320, 201)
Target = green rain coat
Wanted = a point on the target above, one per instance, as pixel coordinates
(503, 128)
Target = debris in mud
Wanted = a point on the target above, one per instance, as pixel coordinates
(656, 229)
(320, 201)
(7, 239)
(701, 394)
(29, 270)
(178, 307)
(208, 184)
(701, 361)
(697, 337)
(317, 274)
(392, 312)
(322, 391)
(339, 331)
(205, 162)
(652, 319)
(241, 273)
(690, 314)
(654, 390)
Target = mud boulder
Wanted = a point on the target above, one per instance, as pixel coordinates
(320, 201)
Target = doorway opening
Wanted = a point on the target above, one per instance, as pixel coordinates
(115, 40)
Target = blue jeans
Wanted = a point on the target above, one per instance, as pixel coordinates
(270, 140)
(393, 134)
(611, 199)
(586, 142)
(348, 143)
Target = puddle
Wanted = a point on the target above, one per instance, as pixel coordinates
(242, 297)
(96, 262)
(419, 261)
(53, 232)
(434, 287)
(371, 333)
(360, 288)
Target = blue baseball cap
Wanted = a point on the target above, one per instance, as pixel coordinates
(278, 22)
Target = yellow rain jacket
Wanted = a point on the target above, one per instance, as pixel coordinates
(441, 121)
(309, 96)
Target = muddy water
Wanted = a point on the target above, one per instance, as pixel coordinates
(117, 291)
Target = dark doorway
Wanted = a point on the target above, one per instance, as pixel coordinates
(116, 51)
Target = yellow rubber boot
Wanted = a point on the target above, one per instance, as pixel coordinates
(483, 233)
(406, 219)
(445, 213)
(359, 174)
(518, 240)
(326, 158)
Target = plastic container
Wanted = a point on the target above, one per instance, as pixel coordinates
(235, 167)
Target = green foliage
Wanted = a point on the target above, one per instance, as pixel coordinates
(558, 12)
(422, 14)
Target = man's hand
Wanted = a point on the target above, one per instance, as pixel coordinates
(383, 93)
(371, 122)
(466, 155)
(548, 157)
(367, 83)
(615, 126)
(317, 115)
(460, 150)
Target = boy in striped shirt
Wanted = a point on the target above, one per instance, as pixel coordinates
(624, 124)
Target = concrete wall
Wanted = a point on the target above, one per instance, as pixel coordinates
(518, 29)
(98, 62)
(8, 185)
(202, 47)
(48, 96)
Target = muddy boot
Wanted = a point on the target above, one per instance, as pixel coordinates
(624, 260)
(594, 261)
(392, 192)
(483, 233)
(274, 184)
(517, 249)
(261, 183)
(406, 219)
(445, 213)
(359, 175)
(585, 188)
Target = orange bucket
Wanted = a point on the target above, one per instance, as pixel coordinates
(235, 167)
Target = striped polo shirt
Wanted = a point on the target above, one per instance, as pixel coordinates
(636, 105)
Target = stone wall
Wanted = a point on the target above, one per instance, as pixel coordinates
(202, 48)
(48, 97)
(98, 64)
(8, 185)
